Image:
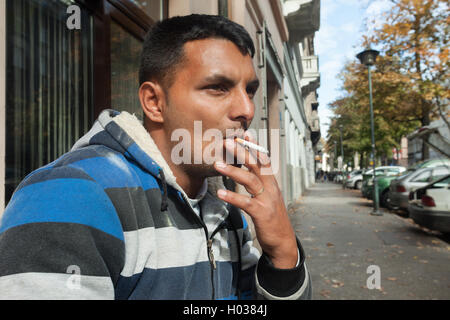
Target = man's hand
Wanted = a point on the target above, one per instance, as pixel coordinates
(266, 208)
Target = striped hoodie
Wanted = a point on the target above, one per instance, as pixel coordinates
(108, 220)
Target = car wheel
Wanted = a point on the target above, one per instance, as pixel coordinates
(358, 185)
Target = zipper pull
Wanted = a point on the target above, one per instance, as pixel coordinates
(211, 254)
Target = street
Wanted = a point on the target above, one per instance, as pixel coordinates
(341, 240)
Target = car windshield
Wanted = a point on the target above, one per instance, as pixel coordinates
(393, 172)
(382, 171)
(405, 174)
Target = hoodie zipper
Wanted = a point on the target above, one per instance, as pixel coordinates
(209, 242)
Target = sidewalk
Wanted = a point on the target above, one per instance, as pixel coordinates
(341, 240)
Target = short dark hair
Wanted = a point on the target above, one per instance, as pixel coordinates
(163, 45)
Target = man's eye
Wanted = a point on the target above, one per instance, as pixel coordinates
(217, 87)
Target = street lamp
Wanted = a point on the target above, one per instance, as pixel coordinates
(367, 58)
(343, 163)
(342, 146)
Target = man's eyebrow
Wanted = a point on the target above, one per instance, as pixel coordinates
(220, 78)
(230, 82)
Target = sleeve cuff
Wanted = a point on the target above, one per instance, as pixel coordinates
(281, 282)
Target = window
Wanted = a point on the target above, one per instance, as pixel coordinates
(49, 87)
(445, 183)
(422, 177)
(120, 28)
(153, 8)
(392, 172)
(440, 172)
(56, 85)
(125, 59)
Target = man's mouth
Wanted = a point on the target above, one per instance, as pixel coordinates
(235, 133)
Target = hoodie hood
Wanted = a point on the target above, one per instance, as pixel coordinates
(124, 133)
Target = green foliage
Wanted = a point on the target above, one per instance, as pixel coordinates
(409, 78)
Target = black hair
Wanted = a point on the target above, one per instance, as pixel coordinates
(163, 45)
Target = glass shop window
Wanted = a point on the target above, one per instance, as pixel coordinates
(48, 87)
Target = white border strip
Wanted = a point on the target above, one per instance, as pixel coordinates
(2, 103)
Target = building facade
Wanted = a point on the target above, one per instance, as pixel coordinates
(58, 73)
(302, 81)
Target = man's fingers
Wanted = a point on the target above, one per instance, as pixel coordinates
(249, 180)
(251, 158)
(263, 158)
(242, 155)
(239, 200)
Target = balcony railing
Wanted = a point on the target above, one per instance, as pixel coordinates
(311, 75)
(310, 66)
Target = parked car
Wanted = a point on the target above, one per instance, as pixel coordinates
(438, 162)
(354, 179)
(339, 177)
(431, 163)
(401, 187)
(384, 176)
(332, 175)
(429, 206)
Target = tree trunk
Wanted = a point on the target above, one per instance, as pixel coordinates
(399, 151)
(361, 161)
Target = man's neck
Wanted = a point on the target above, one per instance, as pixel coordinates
(189, 182)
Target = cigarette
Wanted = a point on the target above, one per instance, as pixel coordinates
(250, 145)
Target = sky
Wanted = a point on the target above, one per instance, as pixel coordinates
(336, 42)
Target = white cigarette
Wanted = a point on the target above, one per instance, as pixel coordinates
(250, 145)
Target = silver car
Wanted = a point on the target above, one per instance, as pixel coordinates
(354, 179)
(401, 187)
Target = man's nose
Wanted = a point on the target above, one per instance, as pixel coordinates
(243, 108)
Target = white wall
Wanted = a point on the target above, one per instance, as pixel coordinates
(186, 7)
(300, 157)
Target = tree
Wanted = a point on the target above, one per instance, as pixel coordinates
(415, 34)
(410, 78)
(395, 113)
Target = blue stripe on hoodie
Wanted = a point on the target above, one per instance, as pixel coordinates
(64, 200)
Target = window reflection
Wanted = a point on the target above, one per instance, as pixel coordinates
(49, 87)
(125, 60)
(153, 8)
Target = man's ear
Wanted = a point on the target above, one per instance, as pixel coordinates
(152, 98)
